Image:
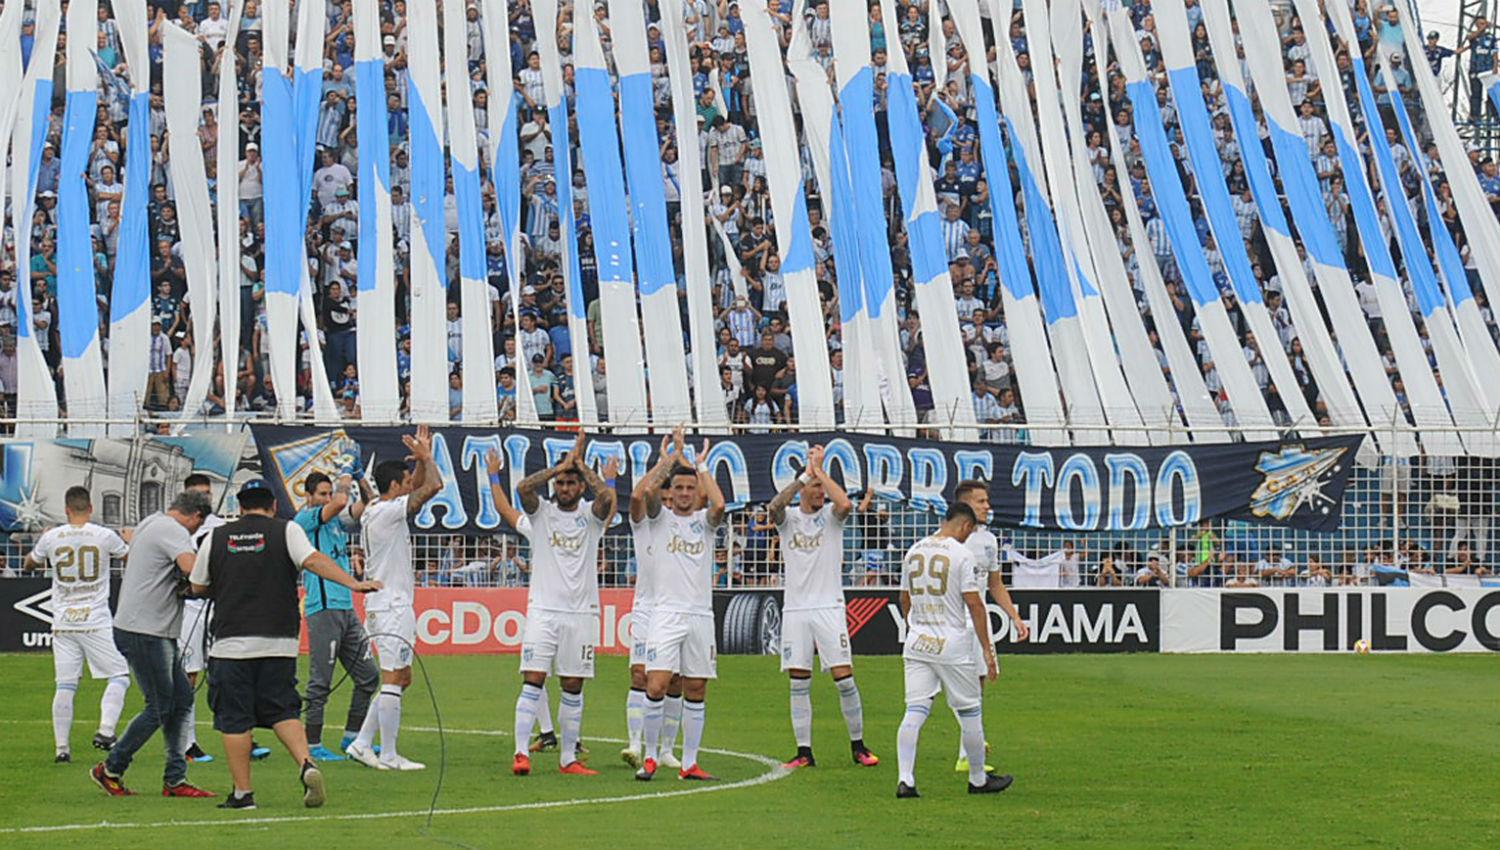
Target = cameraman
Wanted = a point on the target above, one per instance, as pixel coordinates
(252, 568)
(148, 620)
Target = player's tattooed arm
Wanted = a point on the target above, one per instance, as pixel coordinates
(776, 508)
(645, 499)
(427, 481)
(605, 498)
(528, 487)
(710, 487)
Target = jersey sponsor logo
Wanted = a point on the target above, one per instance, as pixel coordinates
(799, 542)
(680, 546)
(571, 544)
(925, 644)
(250, 543)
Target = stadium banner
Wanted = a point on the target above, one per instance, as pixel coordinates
(1101, 621)
(128, 478)
(1397, 619)
(1296, 484)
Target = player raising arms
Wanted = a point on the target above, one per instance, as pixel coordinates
(546, 738)
(944, 611)
(390, 613)
(562, 605)
(78, 554)
(986, 550)
(681, 639)
(812, 550)
(642, 606)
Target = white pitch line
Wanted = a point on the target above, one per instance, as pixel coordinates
(773, 773)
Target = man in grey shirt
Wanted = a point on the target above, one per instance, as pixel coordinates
(148, 619)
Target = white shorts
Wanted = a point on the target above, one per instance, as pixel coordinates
(924, 679)
(560, 642)
(70, 649)
(823, 629)
(683, 644)
(640, 629)
(190, 639)
(395, 636)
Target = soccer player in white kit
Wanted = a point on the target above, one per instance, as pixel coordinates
(78, 554)
(941, 600)
(546, 738)
(192, 641)
(812, 552)
(562, 604)
(642, 606)
(681, 638)
(390, 613)
(986, 550)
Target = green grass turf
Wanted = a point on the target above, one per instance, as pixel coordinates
(1130, 751)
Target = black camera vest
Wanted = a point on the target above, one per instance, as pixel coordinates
(254, 580)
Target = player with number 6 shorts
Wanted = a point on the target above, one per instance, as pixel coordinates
(78, 553)
(562, 604)
(944, 612)
(812, 550)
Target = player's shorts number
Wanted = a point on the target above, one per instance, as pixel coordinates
(588, 653)
(77, 564)
(935, 569)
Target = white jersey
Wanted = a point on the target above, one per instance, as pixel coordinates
(387, 543)
(79, 558)
(684, 562)
(986, 551)
(643, 535)
(937, 572)
(210, 522)
(812, 549)
(193, 617)
(565, 558)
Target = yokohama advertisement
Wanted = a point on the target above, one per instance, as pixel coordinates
(1060, 621)
(1398, 619)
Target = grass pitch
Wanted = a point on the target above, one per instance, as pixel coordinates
(1127, 751)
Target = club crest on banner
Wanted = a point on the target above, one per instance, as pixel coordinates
(1295, 477)
(330, 452)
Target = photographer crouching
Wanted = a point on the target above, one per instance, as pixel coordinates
(251, 568)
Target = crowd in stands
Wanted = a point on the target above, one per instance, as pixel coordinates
(753, 341)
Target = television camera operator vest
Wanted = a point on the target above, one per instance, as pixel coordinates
(252, 568)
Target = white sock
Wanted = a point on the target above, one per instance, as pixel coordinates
(802, 712)
(854, 710)
(390, 720)
(192, 723)
(651, 724)
(531, 699)
(544, 714)
(971, 724)
(111, 704)
(366, 736)
(635, 717)
(671, 718)
(62, 714)
(906, 740)
(570, 717)
(692, 731)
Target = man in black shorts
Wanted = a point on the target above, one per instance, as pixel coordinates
(251, 568)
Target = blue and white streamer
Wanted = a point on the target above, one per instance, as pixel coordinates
(1030, 348)
(130, 293)
(666, 359)
(1245, 396)
(856, 118)
(478, 344)
(77, 300)
(227, 214)
(429, 238)
(375, 333)
(600, 145)
(36, 400)
(1323, 356)
(1208, 175)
